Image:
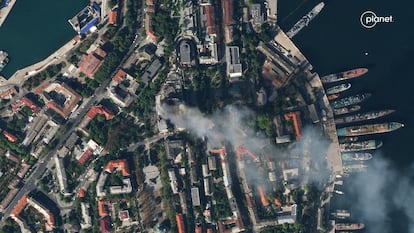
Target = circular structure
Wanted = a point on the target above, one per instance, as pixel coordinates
(186, 52)
(367, 19)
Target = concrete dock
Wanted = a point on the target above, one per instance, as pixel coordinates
(334, 160)
(4, 12)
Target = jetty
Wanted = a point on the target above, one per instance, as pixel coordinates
(4, 11)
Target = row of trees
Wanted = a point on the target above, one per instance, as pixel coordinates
(49, 72)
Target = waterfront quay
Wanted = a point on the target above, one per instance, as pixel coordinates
(312, 81)
(4, 12)
(23, 74)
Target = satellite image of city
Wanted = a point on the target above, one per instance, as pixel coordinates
(206, 116)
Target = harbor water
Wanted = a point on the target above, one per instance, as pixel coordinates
(35, 29)
(336, 41)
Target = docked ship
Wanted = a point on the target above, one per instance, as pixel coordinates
(351, 100)
(348, 139)
(341, 214)
(305, 20)
(356, 156)
(349, 226)
(330, 78)
(345, 110)
(363, 116)
(4, 59)
(333, 97)
(338, 89)
(360, 146)
(356, 167)
(369, 129)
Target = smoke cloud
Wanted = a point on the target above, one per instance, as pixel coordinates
(381, 192)
(237, 125)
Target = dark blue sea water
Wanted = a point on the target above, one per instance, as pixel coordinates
(335, 41)
(34, 29)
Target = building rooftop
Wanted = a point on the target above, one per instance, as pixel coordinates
(149, 12)
(27, 102)
(256, 13)
(82, 193)
(62, 99)
(195, 196)
(118, 164)
(209, 19)
(151, 71)
(112, 18)
(102, 209)
(12, 157)
(228, 12)
(180, 223)
(123, 215)
(87, 220)
(20, 206)
(234, 67)
(105, 224)
(91, 62)
(186, 52)
(9, 136)
(85, 156)
(99, 110)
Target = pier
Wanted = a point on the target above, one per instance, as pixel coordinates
(334, 160)
(4, 12)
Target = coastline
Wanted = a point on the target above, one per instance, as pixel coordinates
(23, 74)
(4, 12)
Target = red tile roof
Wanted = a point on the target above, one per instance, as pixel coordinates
(105, 225)
(72, 99)
(120, 163)
(210, 24)
(91, 62)
(25, 101)
(102, 211)
(77, 38)
(30, 104)
(9, 136)
(148, 26)
(12, 157)
(99, 110)
(20, 206)
(119, 76)
(180, 223)
(82, 193)
(8, 92)
(113, 14)
(123, 215)
(228, 12)
(85, 156)
(100, 52)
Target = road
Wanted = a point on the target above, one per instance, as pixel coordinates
(40, 167)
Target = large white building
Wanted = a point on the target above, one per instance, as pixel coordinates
(86, 218)
(61, 175)
(234, 67)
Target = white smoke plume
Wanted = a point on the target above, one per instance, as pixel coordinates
(236, 125)
(381, 191)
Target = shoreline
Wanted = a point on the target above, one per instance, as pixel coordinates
(24, 73)
(4, 12)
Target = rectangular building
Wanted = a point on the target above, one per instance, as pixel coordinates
(234, 67)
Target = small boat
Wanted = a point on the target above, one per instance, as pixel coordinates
(333, 97)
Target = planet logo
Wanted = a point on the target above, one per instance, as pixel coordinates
(369, 19)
